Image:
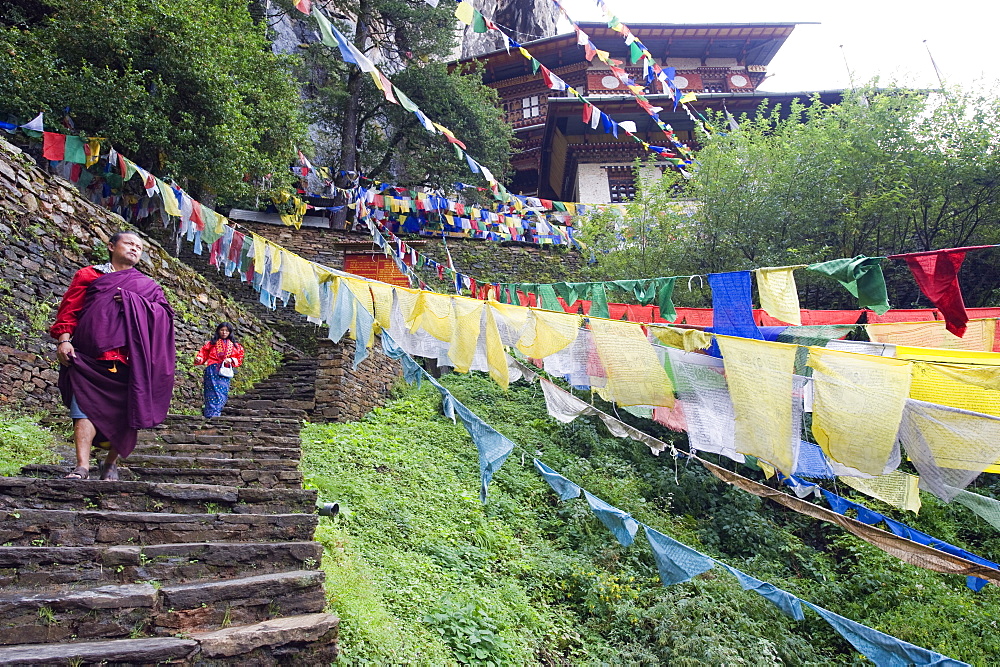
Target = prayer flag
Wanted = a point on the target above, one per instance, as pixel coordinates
(74, 150)
(675, 562)
(936, 273)
(778, 295)
(37, 123)
(861, 276)
(760, 378)
(465, 12)
(53, 145)
(858, 403)
(303, 6)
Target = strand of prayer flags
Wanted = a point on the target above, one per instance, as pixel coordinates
(333, 38)
(652, 71)
(592, 115)
(677, 563)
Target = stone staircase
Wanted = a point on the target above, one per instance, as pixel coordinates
(290, 392)
(202, 554)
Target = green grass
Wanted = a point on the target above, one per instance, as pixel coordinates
(23, 441)
(420, 571)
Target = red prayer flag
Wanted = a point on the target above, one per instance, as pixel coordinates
(53, 145)
(936, 273)
(588, 110)
(303, 6)
(196, 218)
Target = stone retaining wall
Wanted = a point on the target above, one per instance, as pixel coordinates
(344, 394)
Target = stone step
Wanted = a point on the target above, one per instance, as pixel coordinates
(217, 451)
(116, 611)
(28, 527)
(183, 437)
(308, 639)
(258, 412)
(130, 496)
(267, 479)
(143, 460)
(137, 652)
(25, 568)
(59, 615)
(219, 604)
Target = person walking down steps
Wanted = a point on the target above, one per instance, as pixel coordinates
(115, 333)
(222, 355)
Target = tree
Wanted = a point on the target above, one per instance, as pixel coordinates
(886, 171)
(408, 39)
(183, 87)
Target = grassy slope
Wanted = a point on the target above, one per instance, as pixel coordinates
(23, 441)
(420, 571)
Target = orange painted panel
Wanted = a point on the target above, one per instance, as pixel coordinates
(376, 267)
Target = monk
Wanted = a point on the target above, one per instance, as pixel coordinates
(115, 333)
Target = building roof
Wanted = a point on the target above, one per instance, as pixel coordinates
(749, 43)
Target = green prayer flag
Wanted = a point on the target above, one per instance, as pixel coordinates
(478, 22)
(326, 35)
(74, 150)
(404, 101)
(635, 52)
(535, 65)
(559, 206)
(665, 298)
(547, 298)
(988, 509)
(567, 291)
(598, 301)
(861, 276)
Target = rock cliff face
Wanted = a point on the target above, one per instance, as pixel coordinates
(523, 20)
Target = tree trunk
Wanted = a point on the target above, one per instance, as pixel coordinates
(352, 112)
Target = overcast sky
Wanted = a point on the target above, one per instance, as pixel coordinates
(879, 37)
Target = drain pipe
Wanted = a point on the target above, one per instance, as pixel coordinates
(328, 509)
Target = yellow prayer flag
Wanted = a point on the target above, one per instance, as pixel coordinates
(546, 332)
(688, 97)
(635, 374)
(760, 381)
(168, 198)
(383, 303)
(898, 489)
(465, 12)
(433, 313)
(858, 402)
(688, 340)
(778, 296)
(948, 356)
(94, 152)
(496, 358)
(259, 253)
(298, 277)
(468, 317)
(362, 293)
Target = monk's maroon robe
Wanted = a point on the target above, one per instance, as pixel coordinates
(136, 397)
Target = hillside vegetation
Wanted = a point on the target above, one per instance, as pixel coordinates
(420, 571)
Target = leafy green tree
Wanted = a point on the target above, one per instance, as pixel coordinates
(184, 87)
(887, 170)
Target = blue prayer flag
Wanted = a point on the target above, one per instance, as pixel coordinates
(562, 486)
(783, 600)
(882, 649)
(675, 562)
(618, 522)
